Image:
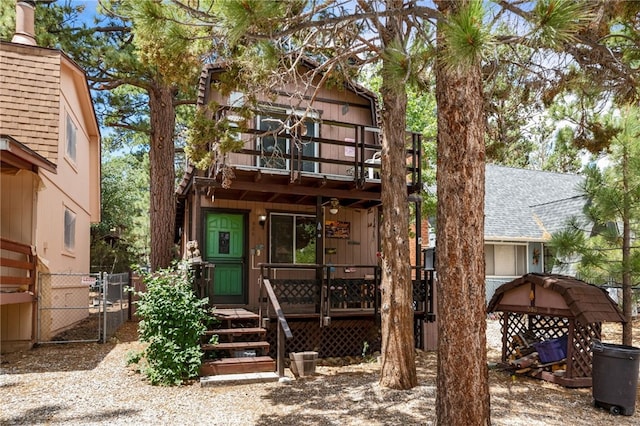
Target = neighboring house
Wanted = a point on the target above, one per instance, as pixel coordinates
(302, 209)
(522, 209)
(49, 184)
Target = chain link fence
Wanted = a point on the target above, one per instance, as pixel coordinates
(81, 307)
(116, 302)
(615, 292)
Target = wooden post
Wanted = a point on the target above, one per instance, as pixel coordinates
(572, 331)
(280, 344)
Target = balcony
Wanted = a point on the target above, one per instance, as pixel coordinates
(326, 158)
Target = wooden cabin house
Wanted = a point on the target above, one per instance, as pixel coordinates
(300, 214)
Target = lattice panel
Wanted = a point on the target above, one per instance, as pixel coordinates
(418, 333)
(296, 292)
(341, 338)
(548, 327)
(545, 328)
(582, 358)
(419, 291)
(352, 293)
(516, 324)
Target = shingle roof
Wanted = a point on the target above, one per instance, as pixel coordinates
(528, 204)
(30, 96)
(588, 303)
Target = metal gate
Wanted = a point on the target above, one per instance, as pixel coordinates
(80, 307)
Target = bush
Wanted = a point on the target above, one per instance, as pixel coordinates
(173, 320)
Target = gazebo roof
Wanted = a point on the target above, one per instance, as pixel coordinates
(551, 294)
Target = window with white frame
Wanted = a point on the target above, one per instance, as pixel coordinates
(69, 230)
(277, 145)
(71, 139)
(236, 99)
(505, 260)
(292, 238)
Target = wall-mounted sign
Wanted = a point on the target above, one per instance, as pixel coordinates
(337, 229)
(330, 250)
(349, 151)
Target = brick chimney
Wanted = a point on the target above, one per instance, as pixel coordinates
(25, 23)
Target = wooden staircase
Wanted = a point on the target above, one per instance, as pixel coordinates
(241, 352)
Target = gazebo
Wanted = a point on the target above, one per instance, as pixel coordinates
(549, 306)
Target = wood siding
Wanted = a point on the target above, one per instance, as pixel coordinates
(330, 105)
(359, 249)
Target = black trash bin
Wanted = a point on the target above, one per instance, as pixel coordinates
(615, 377)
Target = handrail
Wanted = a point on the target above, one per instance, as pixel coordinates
(283, 325)
(16, 279)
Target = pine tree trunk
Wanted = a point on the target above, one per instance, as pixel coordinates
(162, 176)
(462, 377)
(398, 344)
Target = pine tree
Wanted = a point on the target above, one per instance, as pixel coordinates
(605, 244)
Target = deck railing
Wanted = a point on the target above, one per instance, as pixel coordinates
(362, 163)
(319, 290)
(18, 272)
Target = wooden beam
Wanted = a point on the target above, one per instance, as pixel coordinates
(290, 189)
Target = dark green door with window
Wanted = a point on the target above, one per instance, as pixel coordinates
(225, 248)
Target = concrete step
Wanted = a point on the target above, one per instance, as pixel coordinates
(226, 379)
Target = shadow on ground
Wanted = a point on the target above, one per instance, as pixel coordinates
(47, 414)
(53, 357)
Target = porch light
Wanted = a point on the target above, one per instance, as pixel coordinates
(262, 216)
(333, 206)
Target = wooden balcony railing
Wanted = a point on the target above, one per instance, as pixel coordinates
(363, 144)
(17, 272)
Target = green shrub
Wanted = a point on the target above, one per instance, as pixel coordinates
(172, 322)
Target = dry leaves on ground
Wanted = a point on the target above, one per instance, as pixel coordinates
(90, 384)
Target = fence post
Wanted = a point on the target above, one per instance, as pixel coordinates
(105, 289)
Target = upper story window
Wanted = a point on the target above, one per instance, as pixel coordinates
(505, 260)
(236, 99)
(277, 147)
(292, 238)
(71, 139)
(69, 230)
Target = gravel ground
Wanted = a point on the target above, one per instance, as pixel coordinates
(90, 384)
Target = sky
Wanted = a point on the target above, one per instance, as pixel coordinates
(90, 8)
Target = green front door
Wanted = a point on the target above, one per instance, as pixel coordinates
(225, 248)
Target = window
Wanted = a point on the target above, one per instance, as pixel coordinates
(71, 139)
(506, 260)
(292, 238)
(236, 99)
(69, 229)
(276, 147)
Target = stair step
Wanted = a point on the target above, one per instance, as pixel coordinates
(236, 331)
(235, 314)
(255, 364)
(235, 346)
(239, 378)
